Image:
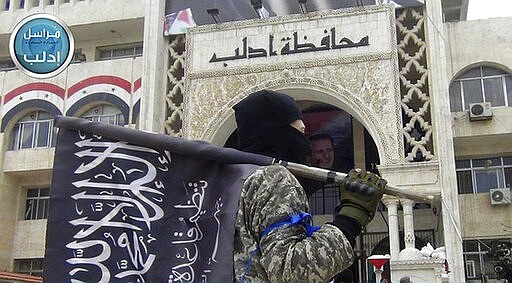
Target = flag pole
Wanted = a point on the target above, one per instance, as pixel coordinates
(324, 175)
(201, 149)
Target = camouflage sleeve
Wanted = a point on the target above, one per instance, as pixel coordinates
(287, 254)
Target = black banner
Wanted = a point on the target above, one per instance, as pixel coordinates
(144, 208)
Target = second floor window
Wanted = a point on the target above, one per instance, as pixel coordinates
(481, 84)
(33, 131)
(123, 51)
(105, 113)
(33, 266)
(481, 175)
(38, 204)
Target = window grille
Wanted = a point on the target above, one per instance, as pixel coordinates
(34, 130)
(32, 267)
(481, 175)
(479, 262)
(37, 204)
(106, 114)
(114, 52)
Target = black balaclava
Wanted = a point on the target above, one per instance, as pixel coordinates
(263, 119)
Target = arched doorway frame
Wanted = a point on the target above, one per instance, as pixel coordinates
(390, 149)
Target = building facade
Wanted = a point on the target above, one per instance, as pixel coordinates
(424, 100)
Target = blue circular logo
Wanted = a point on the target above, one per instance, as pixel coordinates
(41, 46)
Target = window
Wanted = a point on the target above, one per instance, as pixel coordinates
(481, 84)
(105, 113)
(470, 268)
(481, 175)
(125, 51)
(33, 131)
(7, 65)
(78, 56)
(479, 261)
(32, 267)
(37, 204)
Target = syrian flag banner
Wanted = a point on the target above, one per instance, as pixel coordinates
(132, 206)
(178, 22)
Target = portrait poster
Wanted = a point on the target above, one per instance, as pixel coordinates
(332, 147)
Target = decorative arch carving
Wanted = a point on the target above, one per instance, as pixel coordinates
(364, 85)
(22, 108)
(98, 98)
(223, 124)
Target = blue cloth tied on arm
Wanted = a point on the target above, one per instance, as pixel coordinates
(303, 218)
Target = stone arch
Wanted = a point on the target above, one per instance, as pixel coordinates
(95, 99)
(18, 111)
(223, 123)
(492, 64)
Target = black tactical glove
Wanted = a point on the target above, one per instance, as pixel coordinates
(360, 195)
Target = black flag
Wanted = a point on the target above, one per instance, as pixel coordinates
(131, 206)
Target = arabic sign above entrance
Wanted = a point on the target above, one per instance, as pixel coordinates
(328, 42)
(306, 37)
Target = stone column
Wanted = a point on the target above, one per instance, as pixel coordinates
(394, 240)
(154, 78)
(438, 62)
(409, 237)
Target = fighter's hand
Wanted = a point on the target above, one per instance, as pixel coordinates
(360, 195)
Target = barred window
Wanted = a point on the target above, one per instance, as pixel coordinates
(481, 84)
(324, 200)
(479, 263)
(481, 175)
(33, 131)
(37, 204)
(105, 113)
(32, 267)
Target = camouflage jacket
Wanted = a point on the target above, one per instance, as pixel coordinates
(270, 195)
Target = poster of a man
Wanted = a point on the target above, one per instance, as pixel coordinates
(322, 150)
(330, 133)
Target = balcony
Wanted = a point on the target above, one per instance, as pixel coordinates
(73, 12)
(29, 163)
(487, 137)
(89, 20)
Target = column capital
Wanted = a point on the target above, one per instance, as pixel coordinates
(390, 201)
(407, 202)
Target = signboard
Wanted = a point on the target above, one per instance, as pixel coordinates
(321, 35)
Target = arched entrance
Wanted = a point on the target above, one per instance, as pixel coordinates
(339, 142)
(333, 131)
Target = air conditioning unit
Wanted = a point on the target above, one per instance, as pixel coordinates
(500, 196)
(480, 111)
